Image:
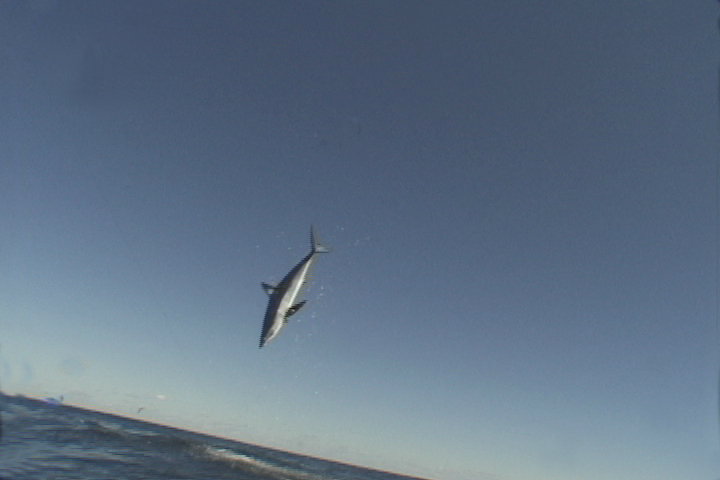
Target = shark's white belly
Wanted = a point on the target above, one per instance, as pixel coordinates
(288, 299)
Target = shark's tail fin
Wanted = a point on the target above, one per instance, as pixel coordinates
(316, 247)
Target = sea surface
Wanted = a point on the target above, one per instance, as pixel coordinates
(41, 440)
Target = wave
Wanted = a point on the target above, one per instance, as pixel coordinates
(79, 425)
(263, 468)
(140, 438)
(111, 428)
(230, 456)
(67, 436)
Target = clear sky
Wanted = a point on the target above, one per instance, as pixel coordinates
(520, 198)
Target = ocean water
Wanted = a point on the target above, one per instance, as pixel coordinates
(42, 441)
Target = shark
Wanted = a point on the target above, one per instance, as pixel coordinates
(283, 296)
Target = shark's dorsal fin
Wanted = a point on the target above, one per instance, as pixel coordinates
(294, 309)
(269, 289)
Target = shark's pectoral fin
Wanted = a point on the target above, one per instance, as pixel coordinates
(294, 309)
(269, 289)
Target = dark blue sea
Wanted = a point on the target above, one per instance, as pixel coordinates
(42, 441)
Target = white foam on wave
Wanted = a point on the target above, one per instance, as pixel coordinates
(231, 456)
(267, 469)
(119, 429)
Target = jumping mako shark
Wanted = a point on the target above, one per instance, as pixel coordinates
(281, 304)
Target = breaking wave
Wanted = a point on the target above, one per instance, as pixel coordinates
(261, 467)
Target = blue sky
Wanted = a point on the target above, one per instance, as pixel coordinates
(520, 198)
